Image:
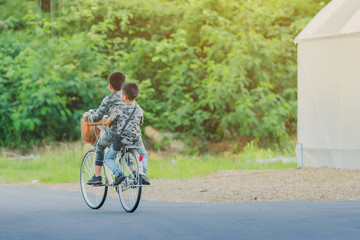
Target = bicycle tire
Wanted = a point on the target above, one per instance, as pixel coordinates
(94, 196)
(130, 189)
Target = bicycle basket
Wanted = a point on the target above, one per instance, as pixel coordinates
(89, 131)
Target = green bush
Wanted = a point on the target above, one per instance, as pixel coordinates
(208, 69)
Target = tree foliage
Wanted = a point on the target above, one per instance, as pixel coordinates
(211, 69)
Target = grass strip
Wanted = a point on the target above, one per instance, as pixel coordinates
(60, 163)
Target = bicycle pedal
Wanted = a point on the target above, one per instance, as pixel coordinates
(98, 185)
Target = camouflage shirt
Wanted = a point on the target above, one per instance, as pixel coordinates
(132, 133)
(107, 107)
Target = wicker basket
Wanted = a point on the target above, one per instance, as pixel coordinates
(89, 131)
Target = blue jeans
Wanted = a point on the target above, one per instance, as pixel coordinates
(106, 141)
(110, 156)
(142, 152)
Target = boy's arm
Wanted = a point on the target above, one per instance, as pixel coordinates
(141, 118)
(100, 112)
(114, 117)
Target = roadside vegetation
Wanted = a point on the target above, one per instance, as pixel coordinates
(60, 163)
(209, 71)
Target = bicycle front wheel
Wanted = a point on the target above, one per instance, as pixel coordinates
(130, 188)
(94, 196)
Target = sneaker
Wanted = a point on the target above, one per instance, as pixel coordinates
(145, 180)
(95, 180)
(119, 178)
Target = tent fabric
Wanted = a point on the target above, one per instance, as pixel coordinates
(353, 25)
(336, 18)
(329, 88)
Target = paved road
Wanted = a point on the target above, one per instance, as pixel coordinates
(31, 213)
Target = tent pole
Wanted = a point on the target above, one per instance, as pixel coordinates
(301, 152)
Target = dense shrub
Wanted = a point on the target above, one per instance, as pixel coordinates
(210, 69)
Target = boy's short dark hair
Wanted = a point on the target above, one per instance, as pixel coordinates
(130, 90)
(116, 79)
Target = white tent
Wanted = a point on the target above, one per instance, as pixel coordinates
(329, 88)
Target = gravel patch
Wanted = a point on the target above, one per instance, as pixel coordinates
(229, 186)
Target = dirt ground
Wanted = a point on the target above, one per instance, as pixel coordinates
(319, 184)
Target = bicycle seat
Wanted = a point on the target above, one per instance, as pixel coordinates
(131, 147)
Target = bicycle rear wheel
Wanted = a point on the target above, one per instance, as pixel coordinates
(130, 189)
(94, 196)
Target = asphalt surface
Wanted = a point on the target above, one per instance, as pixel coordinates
(34, 213)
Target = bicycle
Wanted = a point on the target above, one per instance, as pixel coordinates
(129, 191)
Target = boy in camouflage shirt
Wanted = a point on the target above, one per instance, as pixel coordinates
(108, 105)
(128, 119)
